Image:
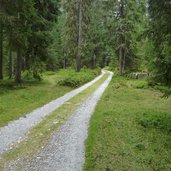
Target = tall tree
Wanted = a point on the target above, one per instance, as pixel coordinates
(79, 33)
(1, 37)
(75, 30)
(1, 49)
(123, 18)
(122, 38)
(160, 34)
(93, 36)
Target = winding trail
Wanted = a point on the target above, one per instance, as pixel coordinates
(65, 152)
(15, 131)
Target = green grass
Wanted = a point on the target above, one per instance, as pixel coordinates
(143, 84)
(17, 100)
(40, 135)
(130, 130)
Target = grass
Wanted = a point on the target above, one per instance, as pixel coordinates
(143, 84)
(130, 130)
(39, 136)
(17, 100)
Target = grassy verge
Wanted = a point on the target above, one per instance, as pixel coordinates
(130, 130)
(40, 135)
(17, 100)
(166, 90)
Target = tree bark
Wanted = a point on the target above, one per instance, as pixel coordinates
(1, 51)
(94, 62)
(65, 61)
(18, 67)
(121, 42)
(10, 58)
(10, 64)
(78, 58)
(124, 55)
(121, 60)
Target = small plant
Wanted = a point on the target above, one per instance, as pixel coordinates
(35, 72)
(142, 85)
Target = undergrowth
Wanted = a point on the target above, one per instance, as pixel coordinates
(144, 84)
(77, 79)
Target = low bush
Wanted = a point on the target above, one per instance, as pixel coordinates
(165, 90)
(154, 86)
(76, 79)
(142, 85)
(157, 121)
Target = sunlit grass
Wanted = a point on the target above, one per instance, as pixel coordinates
(130, 130)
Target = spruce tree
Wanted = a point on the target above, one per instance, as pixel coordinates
(160, 34)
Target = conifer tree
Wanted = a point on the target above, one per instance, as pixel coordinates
(160, 34)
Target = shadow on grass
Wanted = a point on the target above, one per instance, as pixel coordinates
(9, 85)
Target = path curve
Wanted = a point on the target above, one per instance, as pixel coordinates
(15, 131)
(65, 152)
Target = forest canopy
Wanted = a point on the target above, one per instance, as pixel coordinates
(126, 35)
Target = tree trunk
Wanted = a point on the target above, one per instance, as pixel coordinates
(10, 64)
(78, 58)
(65, 61)
(18, 67)
(121, 60)
(121, 42)
(1, 51)
(94, 62)
(124, 54)
(10, 58)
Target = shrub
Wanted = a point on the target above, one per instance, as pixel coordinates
(157, 121)
(76, 79)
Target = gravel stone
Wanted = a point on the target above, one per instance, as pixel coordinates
(15, 131)
(65, 151)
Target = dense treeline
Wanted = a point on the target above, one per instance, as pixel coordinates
(160, 39)
(130, 35)
(25, 34)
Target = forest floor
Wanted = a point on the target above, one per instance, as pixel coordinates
(17, 100)
(130, 129)
(39, 136)
(24, 124)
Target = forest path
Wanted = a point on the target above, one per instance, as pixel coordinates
(65, 151)
(15, 131)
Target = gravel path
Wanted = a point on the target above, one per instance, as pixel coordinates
(15, 131)
(65, 152)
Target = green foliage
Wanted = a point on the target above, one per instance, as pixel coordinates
(144, 84)
(156, 120)
(130, 35)
(165, 90)
(76, 79)
(160, 34)
(27, 28)
(37, 70)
